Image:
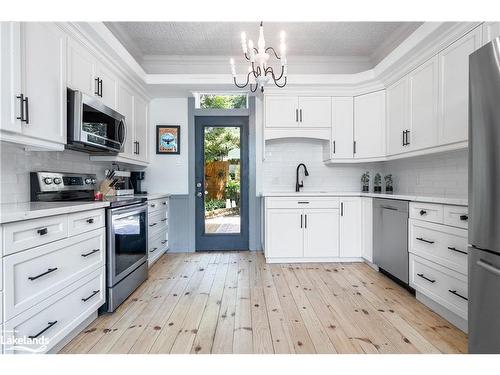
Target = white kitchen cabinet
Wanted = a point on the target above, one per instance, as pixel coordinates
(10, 78)
(315, 112)
(321, 233)
(126, 108)
(81, 69)
(282, 111)
(369, 125)
(423, 96)
(34, 85)
(397, 117)
(454, 88)
(108, 86)
(141, 129)
(284, 233)
(491, 30)
(44, 65)
(350, 228)
(342, 128)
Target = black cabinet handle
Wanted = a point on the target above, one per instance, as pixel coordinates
(305, 221)
(422, 212)
(90, 253)
(164, 219)
(164, 242)
(407, 140)
(138, 148)
(153, 205)
(43, 231)
(425, 278)
(49, 325)
(404, 137)
(341, 208)
(21, 102)
(303, 202)
(27, 110)
(50, 270)
(100, 88)
(455, 249)
(90, 221)
(354, 147)
(296, 115)
(164, 203)
(92, 295)
(457, 294)
(152, 225)
(300, 115)
(424, 240)
(301, 219)
(464, 217)
(334, 147)
(96, 89)
(153, 249)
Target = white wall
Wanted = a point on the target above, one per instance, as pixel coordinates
(168, 173)
(16, 164)
(441, 175)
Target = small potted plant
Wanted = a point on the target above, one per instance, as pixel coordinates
(377, 183)
(365, 180)
(388, 184)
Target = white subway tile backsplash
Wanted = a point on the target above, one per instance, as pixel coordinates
(16, 164)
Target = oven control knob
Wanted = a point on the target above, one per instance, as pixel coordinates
(93, 181)
(47, 180)
(57, 180)
(88, 181)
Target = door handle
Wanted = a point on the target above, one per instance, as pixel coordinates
(389, 208)
(100, 88)
(90, 253)
(341, 208)
(305, 221)
(334, 147)
(96, 88)
(301, 219)
(488, 267)
(21, 102)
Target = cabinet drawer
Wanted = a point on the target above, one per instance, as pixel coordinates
(302, 202)
(26, 234)
(33, 275)
(157, 246)
(457, 216)
(426, 211)
(86, 221)
(157, 221)
(58, 315)
(157, 204)
(439, 243)
(444, 286)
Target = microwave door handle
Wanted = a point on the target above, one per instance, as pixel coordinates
(122, 129)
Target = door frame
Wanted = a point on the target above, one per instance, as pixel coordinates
(226, 241)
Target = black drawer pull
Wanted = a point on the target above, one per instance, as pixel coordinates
(92, 295)
(422, 212)
(50, 270)
(164, 242)
(424, 240)
(458, 295)
(153, 205)
(164, 219)
(153, 249)
(49, 325)
(152, 225)
(464, 217)
(90, 221)
(302, 202)
(43, 231)
(455, 249)
(425, 278)
(90, 253)
(164, 203)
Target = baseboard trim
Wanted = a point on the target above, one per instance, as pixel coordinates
(70, 336)
(313, 260)
(450, 316)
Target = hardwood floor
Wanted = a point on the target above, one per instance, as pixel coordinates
(233, 302)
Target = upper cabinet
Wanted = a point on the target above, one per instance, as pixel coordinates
(293, 111)
(34, 93)
(315, 111)
(397, 111)
(369, 125)
(342, 128)
(141, 129)
(423, 98)
(454, 88)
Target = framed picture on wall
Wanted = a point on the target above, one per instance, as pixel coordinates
(168, 139)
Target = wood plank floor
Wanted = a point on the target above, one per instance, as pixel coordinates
(232, 302)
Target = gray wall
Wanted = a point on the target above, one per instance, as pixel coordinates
(182, 208)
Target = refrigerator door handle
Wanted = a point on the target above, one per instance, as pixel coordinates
(488, 267)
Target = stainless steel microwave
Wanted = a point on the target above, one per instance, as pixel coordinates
(92, 126)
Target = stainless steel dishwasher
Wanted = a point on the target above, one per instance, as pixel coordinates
(390, 238)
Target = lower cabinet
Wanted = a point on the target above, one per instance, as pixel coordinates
(157, 229)
(312, 229)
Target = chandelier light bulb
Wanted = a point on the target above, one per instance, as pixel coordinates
(252, 51)
(244, 42)
(243, 37)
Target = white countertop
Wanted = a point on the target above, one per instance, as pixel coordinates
(10, 212)
(152, 196)
(413, 198)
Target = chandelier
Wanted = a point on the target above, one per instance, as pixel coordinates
(259, 73)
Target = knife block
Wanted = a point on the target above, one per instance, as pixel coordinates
(106, 189)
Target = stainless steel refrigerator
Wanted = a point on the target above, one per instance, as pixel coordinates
(484, 199)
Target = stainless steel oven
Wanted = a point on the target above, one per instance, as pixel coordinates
(127, 243)
(93, 127)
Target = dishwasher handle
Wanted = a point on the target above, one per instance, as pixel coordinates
(389, 208)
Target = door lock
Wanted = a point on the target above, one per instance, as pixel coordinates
(198, 184)
(199, 194)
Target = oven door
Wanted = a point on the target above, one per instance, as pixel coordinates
(127, 241)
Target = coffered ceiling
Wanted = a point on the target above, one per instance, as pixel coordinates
(200, 47)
